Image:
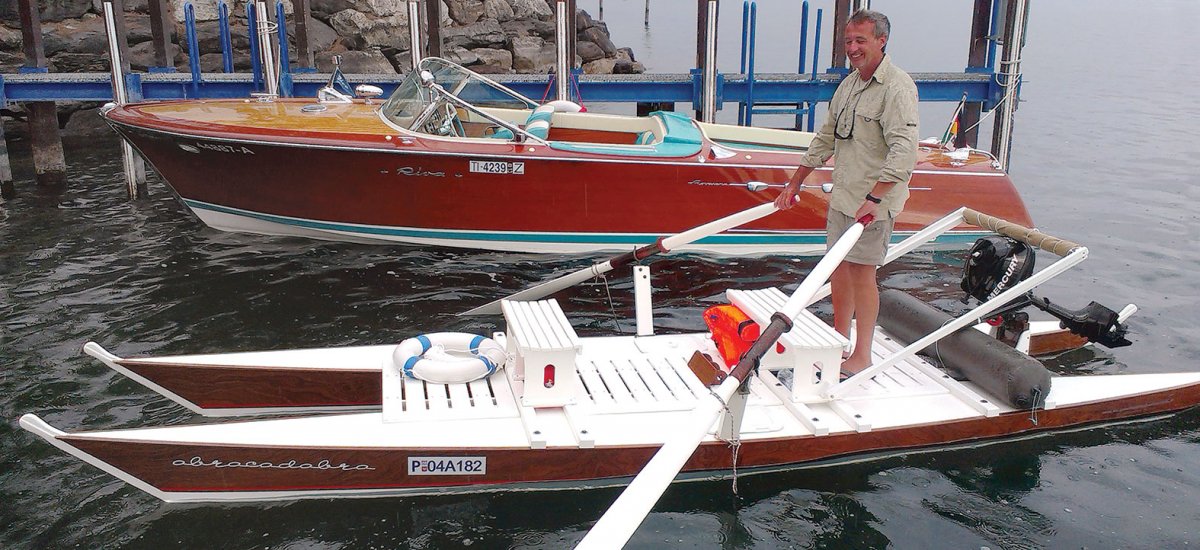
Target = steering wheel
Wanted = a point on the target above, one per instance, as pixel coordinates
(444, 121)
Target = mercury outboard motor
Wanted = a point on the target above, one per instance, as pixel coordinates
(996, 263)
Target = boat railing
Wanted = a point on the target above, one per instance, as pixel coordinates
(1069, 253)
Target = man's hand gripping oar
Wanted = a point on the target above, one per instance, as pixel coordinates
(665, 244)
(626, 514)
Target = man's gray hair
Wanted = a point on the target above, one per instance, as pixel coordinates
(882, 26)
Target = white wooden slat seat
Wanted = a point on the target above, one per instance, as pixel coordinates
(544, 347)
(809, 347)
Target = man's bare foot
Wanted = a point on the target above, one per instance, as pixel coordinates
(855, 363)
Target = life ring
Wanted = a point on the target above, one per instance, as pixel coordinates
(429, 357)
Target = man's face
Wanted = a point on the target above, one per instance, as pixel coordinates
(862, 48)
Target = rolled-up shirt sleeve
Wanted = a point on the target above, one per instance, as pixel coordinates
(899, 122)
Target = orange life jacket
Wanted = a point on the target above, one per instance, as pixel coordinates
(732, 330)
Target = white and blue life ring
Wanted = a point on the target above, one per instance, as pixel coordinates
(449, 357)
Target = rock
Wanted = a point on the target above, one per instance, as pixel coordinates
(623, 66)
(484, 34)
(532, 55)
(626, 53)
(588, 51)
(58, 10)
(603, 65)
(86, 123)
(68, 62)
(583, 21)
(500, 10)
(215, 63)
(137, 28)
(141, 55)
(489, 69)
(137, 6)
(203, 10)
(401, 61)
(320, 35)
(600, 38)
(75, 36)
(527, 27)
(367, 31)
(10, 39)
(10, 62)
(531, 9)
(371, 61)
(464, 12)
(460, 55)
(491, 57)
(208, 36)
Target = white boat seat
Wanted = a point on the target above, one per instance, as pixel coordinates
(810, 347)
(542, 347)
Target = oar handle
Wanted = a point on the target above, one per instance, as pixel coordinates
(1031, 237)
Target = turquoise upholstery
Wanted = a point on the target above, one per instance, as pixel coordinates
(682, 138)
(538, 124)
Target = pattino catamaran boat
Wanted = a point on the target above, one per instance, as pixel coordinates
(539, 407)
(455, 159)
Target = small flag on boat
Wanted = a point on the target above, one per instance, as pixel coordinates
(952, 130)
(340, 83)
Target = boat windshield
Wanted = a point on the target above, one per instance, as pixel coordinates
(412, 98)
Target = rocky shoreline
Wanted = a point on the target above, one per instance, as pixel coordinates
(371, 36)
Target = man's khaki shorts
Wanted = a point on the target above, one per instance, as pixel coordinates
(871, 247)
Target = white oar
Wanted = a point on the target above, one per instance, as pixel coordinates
(665, 244)
(630, 509)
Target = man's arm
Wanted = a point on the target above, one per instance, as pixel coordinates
(819, 151)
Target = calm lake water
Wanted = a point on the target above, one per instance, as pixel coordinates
(1105, 154)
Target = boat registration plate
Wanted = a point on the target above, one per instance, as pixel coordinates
(447, 465)
(498, 167)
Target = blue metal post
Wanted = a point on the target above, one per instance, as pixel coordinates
(255, 62)
(285, 75)
(803, 50)
(991, 55)
(812, 119)
(750, 63)
(742, 64)
(226, 41)
(189, 18)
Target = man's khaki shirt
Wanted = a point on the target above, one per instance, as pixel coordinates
(879, 118)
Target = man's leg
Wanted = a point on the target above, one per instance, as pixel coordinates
(842, 297)
(864, 291)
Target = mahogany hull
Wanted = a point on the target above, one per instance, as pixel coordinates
(250, 472)
(394, 187)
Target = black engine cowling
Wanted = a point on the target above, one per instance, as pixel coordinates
(994, 264)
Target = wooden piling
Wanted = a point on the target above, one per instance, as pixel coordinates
(976, 58)
(841, 15)
(49, 164)
(303, 18)
(433, 28)
(7, 191)
(572, 35)
(160, 32)
(702, 24)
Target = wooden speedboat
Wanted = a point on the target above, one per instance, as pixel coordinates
(573, 411)
(455, 159)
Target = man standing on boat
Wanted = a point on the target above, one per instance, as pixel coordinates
(872, 131)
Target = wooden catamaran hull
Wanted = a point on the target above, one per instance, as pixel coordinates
(306, 175)
(370, 458)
